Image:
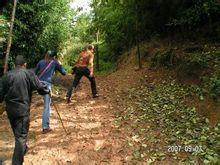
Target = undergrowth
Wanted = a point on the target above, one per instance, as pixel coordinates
(165, 127)
(201, 63)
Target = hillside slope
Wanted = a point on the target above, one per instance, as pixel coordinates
(140, 117)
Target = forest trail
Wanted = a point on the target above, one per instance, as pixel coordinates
(104, 130)
(93, 138)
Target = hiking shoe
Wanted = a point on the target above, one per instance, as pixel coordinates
(46, 130)
(95, 96)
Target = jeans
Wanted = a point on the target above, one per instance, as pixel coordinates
(20, 127)
(79, 72)
(47, 109)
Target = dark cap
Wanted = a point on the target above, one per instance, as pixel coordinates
(52, 53)
(20, 60)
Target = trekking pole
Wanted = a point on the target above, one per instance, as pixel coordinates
(56, 109)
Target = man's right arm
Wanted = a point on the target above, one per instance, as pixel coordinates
(60, 68)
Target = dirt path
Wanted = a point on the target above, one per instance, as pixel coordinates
(94, 137)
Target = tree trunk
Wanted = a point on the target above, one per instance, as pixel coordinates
(10, 37)
(97, 51)
(137, 39)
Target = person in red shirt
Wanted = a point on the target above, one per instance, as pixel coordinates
(84, 67)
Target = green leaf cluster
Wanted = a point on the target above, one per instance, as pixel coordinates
(39, 26)
(124, 23)
(162, 108)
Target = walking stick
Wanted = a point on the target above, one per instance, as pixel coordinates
(56, 109)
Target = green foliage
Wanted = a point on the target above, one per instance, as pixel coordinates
(165, 58)
(3, 35)
(72, 53)
(192, 65)
(3, 29)
(211, 81)
(106, 66)
(205, 66)
(122, 23)
(81, 31)
(68, 68)
(212, 86)
(199, 62)
(161, 108)
(115, 23)
(197, 12)
(40, 26)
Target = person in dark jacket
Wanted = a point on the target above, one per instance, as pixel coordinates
(2, 108)
(45, 70)
(16, 89)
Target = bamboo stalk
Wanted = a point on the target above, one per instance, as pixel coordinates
(10, 37)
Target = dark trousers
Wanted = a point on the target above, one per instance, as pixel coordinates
(20, 127)
(79, 72)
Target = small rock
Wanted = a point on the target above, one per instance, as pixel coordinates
(128, 158)
(98, 144)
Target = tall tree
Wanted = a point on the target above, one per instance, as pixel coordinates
(40, 26)
(10, 36)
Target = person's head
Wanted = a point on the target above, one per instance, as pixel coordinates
(50, 54)
(90, 47)
(20, 61)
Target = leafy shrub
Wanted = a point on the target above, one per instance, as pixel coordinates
(192, 65)
(67, 68)
(165, 58)
(71, 55)
(212, 84)
(105, 66)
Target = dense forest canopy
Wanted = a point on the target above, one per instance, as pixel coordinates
(42, 25)
(121, 22)
(39, 26)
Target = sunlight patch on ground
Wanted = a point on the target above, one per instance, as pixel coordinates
(6, 142)
(90, 125)
(7, 151)
(88, 107)
(51, 156)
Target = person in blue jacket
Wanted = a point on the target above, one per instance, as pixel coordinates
(45, 70)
